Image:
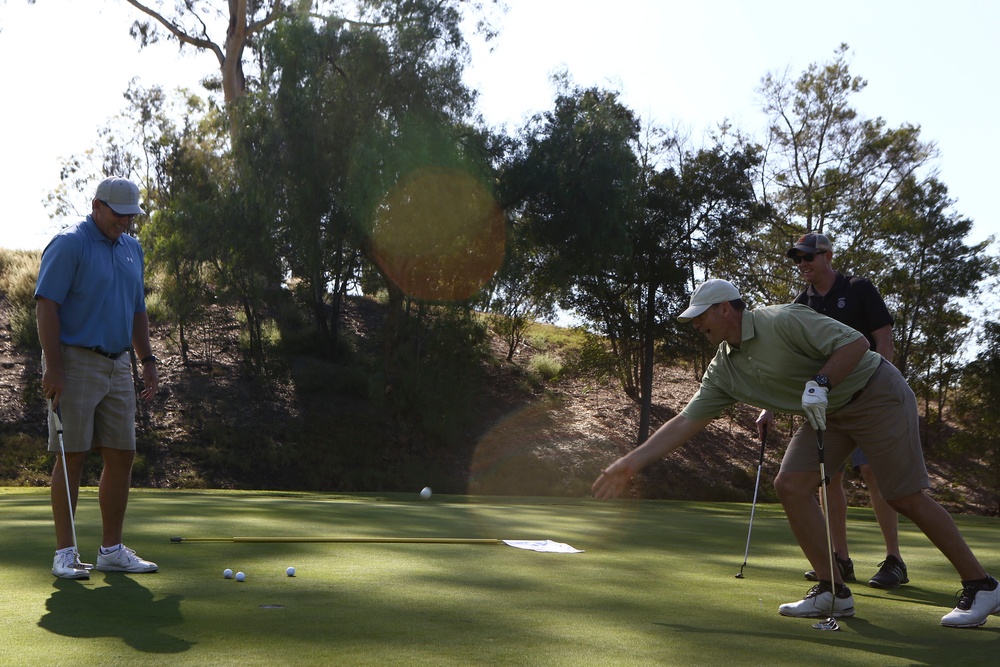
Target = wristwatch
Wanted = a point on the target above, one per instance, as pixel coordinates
(822, 381)
(146, 360)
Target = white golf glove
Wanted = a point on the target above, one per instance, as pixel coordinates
(814, 403)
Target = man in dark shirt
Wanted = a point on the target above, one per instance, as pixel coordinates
(855, 302)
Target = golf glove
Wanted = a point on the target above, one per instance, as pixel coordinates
(814, 404)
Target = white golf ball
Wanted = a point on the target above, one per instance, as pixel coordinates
(227, 573)
(425, 493)
(240, 576)
(290, 572)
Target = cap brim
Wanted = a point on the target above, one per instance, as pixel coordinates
(691, 313)
(794, 249)
(126, 209)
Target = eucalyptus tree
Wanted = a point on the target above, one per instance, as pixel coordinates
(933, 270)
(828, 168)
(978, 410)
(346, 115)
(621, 235)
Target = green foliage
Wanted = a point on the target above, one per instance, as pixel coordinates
(978, 408)
(18, 276)
(440, 367)
(24, 460)
(546, 366)
(830, 169)
(931, 272)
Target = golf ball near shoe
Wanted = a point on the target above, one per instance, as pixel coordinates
(290, 572)
(227, 573)
(425, 493)
(240, 576)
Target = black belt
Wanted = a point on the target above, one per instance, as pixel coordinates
(105, 353)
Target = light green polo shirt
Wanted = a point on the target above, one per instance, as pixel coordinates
(782, 348)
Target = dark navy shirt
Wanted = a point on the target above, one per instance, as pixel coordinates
(853, 301)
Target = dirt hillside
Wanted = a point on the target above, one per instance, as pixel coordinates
(549, 442)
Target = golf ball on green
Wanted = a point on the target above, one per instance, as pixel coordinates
(290, 572)
(425, 493)
(227, 573)
(240, 576)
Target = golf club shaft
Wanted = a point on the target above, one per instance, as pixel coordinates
(56, 414)
(342, 540)
(826, 517)
(753, 506)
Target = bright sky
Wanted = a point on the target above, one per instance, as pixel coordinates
(693, 63)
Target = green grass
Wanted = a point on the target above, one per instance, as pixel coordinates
(655, 586)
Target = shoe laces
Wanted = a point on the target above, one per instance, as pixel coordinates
(891, 564)
(966, 597)
(816, 591)
(70, 559)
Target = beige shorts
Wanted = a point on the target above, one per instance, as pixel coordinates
(97, 403)
(882, 420)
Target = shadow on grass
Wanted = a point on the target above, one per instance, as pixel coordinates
(123, 608)
(853, 632)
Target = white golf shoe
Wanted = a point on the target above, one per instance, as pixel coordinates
(975, 603)
(67, 565)
(820, 602)
(124, 560)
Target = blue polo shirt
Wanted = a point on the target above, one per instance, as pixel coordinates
(97, 283)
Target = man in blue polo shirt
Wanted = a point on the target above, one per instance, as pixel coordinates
(794, 360)
(91, 312)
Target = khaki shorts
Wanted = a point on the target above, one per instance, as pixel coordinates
(97, 404)
(882, 420)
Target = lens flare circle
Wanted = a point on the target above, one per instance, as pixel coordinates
(438, 235)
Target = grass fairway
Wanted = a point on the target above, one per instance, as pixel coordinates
(655, 586)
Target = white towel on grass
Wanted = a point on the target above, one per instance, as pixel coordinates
(545, 546)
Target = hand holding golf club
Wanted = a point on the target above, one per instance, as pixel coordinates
(814, 403)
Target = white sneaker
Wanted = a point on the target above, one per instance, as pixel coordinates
(974, 605)
(67, 565)
(123, 560)
(820, 602)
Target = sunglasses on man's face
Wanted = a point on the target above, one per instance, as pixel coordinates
(808, 257)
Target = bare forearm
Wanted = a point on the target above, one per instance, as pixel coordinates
(883, 342)
(614, 479)
(47, 317)
(666, 439)
(140, 335)
(844, 360)
(54, 377)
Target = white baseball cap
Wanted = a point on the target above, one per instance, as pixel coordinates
(120, 194)
(707, 295)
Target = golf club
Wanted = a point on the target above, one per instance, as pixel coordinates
(830, 623)
(753, 507)
(57, 416)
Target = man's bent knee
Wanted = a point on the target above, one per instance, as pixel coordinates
(790, 485)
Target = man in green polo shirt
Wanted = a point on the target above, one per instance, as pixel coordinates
(791, 359)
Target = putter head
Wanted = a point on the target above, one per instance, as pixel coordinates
(739, 575)
(828, 624)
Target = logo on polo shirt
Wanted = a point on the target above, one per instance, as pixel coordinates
(841, 302)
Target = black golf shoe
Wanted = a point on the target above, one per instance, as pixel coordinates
(846, 570)
(891, 573)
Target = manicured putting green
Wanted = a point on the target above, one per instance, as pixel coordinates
(654, 586)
